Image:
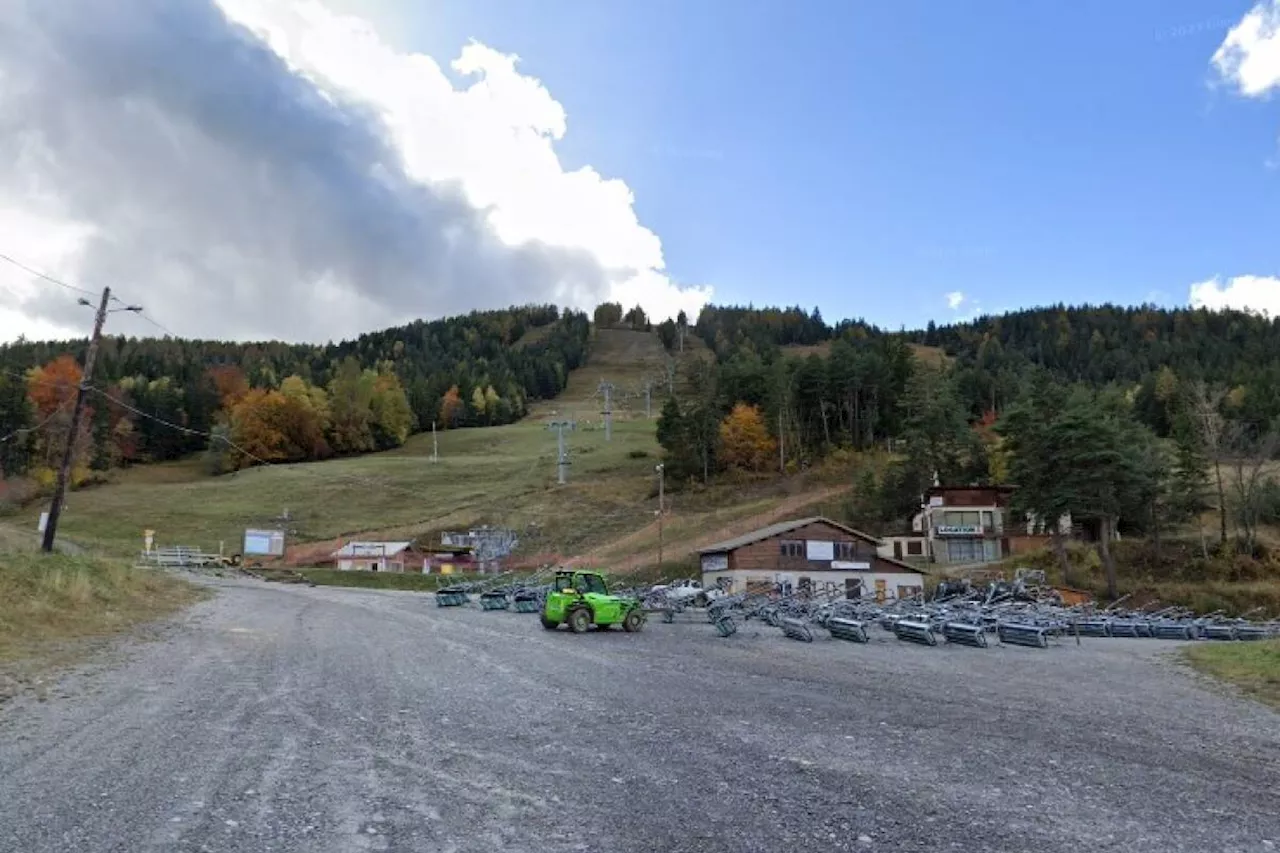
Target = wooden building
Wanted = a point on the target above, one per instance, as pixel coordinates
(815, 554)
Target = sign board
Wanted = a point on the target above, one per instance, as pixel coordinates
(936, 500)
(44, 521)
(819, 551)
(715, 562)
(847, 566)
(264, 543)
(959, 529)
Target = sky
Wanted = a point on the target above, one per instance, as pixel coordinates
(312, 169)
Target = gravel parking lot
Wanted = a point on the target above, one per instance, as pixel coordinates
(296, 719)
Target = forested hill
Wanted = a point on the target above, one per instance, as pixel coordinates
(286, 402)
(1097, 345)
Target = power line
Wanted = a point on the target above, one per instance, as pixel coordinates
(143, 314)
(45, 276)
(158, 324)
(53, 280)
(44, 423)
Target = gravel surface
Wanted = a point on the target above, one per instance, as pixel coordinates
(298, 719)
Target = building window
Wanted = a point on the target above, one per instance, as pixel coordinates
(959, 519)
(908, 591)
(965, 551)
(792, 548)
(915, 549)
(846, 550)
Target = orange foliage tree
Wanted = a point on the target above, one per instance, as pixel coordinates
(52, 390)
(273, 427)
(451, 407)
(231, 384)
(53, 385)
(745, 442)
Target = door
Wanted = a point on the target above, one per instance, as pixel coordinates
(880, 588)
(897, 550)
(853, 588)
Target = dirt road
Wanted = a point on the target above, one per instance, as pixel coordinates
(297, 719)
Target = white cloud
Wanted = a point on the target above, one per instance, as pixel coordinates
(1249, 57)
(1255, 293)
(311, 189)
(494, 136)
(955, 299)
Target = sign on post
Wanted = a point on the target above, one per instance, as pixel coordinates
(148, 539)
(264, 543)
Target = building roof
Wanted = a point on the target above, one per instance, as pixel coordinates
(902, 564)
(781, 527)
(371, 549)
(1001, 488)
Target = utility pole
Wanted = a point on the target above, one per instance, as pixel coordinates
(64, 471)
(435, 444)
(562, 457)
(661, 484)
(607, 388)
(671, 378)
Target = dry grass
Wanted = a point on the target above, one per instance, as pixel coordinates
(1253, 667)
(47, 600)
(932, 356)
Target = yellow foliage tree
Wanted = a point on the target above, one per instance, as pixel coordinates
(745, 443)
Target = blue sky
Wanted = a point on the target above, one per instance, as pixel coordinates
(870, 158)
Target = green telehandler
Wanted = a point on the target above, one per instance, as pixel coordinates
(581, 599)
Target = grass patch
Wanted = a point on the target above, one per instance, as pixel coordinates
(1253, 667)
(1233, 585)
(49, 599)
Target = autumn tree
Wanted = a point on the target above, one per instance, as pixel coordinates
(492, 403)
(266, 425)
(53, 389)
(745, 442)
(310, 397)
(231, 383)
(350, 407)
(477, 404)
(451, 407)
(391, 416)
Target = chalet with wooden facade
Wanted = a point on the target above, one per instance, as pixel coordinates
(815, 554)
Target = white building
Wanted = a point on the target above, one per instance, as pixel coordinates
(378, 557)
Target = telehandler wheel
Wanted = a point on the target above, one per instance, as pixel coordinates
(579, 620)
(548, 624)
(633, 622)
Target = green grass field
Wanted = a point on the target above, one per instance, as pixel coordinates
(1253, 667)
(501, 475)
